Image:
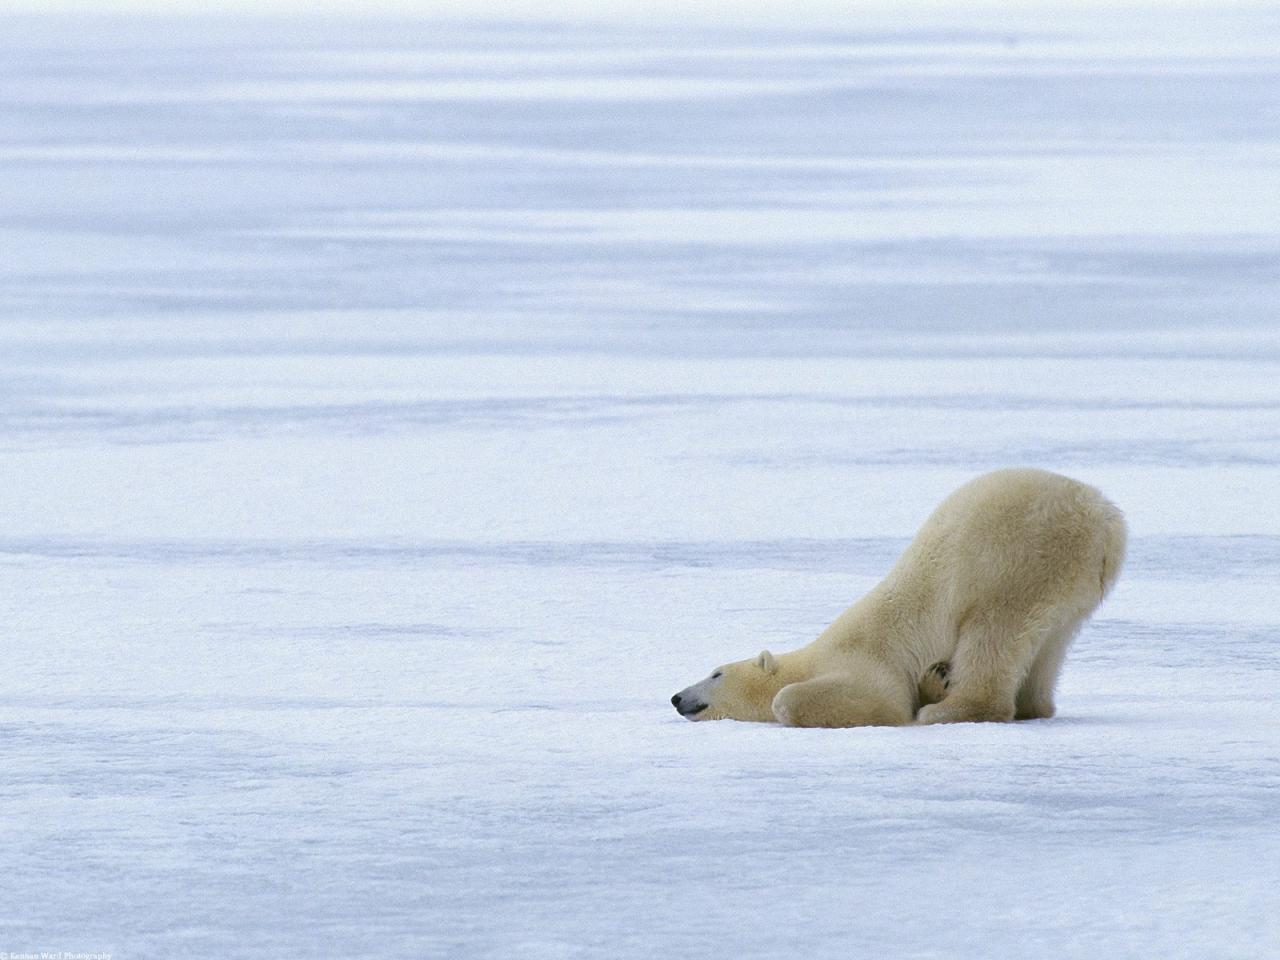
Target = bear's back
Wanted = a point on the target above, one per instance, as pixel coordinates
(1019, 535)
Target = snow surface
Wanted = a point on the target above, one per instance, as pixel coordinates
(393, 415)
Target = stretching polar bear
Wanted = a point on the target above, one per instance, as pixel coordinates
(997, 582)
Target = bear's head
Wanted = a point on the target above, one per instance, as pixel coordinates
(736, 691)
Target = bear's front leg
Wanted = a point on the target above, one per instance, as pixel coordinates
(839, 701)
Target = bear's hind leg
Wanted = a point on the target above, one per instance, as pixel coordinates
(839, 701)
(992, 656)
(1035, 695)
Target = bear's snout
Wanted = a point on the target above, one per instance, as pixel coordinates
(686, 708)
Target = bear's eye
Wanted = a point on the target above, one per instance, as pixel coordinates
(717, 675)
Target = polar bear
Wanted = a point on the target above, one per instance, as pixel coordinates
(971, 624)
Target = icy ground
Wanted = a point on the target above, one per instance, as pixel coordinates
(395, 415)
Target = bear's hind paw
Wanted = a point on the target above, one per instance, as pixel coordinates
(935, 683)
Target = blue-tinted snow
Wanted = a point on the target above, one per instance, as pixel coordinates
(393, 414)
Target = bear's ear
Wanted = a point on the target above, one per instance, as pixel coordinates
(766, 662)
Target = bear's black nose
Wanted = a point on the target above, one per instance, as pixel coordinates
(675, 701)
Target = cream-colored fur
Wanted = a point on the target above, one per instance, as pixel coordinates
(997, 582)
